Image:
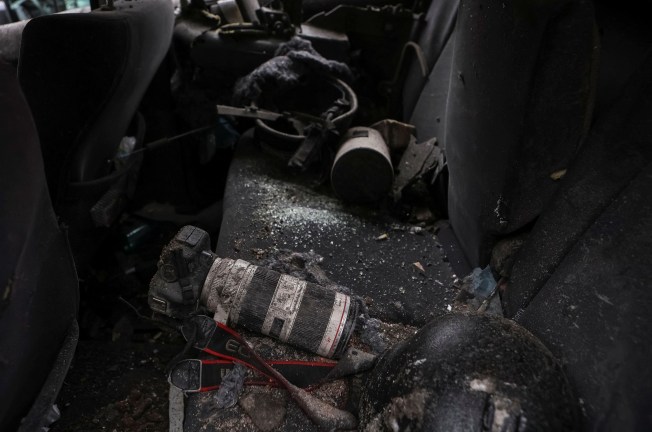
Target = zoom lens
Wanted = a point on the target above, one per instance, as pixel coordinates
(281, 306)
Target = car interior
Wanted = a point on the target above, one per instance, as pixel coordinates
(454, 197)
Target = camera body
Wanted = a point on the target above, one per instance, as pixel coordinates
(182, 268)
(300, 313)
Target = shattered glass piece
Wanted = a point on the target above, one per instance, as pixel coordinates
(372, 335)
(419, 159)
(482, 282)
(397, 135)
(479, 293)
(231, 387)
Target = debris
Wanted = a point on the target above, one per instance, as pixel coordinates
(482, 282)
(416, 230)
(504, 254)
(500, 211)
(419, 267)
(403, 409)
(397, 135)
(231, 387)
(258, 253)
(558, 174)
(423, 214)
(266, 410)
(604, 298)
(377, 335)
(419, 161)
(372, 335)
(302, 265)
(382, 237)
(478, 293)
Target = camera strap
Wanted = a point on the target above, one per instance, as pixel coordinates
(222, 347)
(225, 344)
(206, 374)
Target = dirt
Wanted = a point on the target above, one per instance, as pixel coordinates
(117, 381)
(116, 387)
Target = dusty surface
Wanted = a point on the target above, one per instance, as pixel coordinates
(369, 250)
(395, 266)
(411, 407)
(116, 387)
(264, 408)
(117, 380)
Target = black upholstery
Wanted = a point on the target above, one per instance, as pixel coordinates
(618, 148)
(512, 110)
(435, 36)
(84, 75)
(38, 300)
(581, 281)
(519, 104)
(10, 35)
(594, 312)
(429, 113)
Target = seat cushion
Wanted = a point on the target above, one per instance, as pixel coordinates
(265, 206)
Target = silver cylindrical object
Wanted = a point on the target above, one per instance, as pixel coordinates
(362, 171)
(281, 306)
(230, 11)
(248, 9)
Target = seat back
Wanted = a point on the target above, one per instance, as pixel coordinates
(39, 297)
(434, 39)
(84, 75)
(510, 98)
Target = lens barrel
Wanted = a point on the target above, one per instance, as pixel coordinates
(281, 306)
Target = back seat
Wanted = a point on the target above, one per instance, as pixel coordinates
(510, 96)
(500, 175)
